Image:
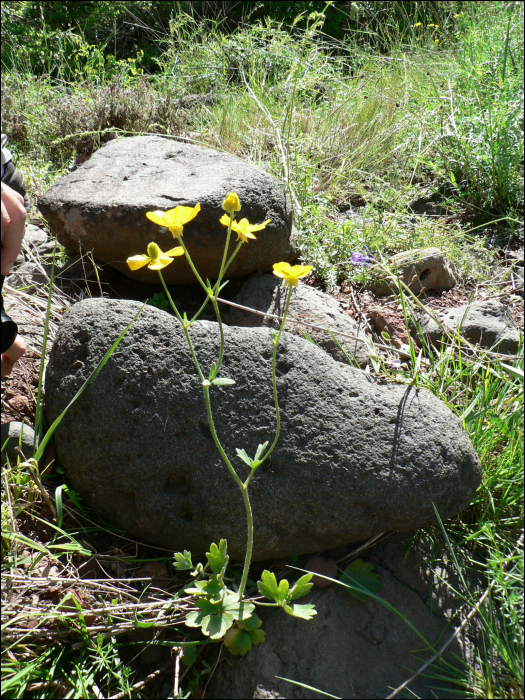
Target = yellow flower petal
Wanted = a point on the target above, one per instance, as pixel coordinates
(138, 261)
(259, 227)
(157, 217)
(174, 252)
(289, 273)
(225, 220)
(281, 267)
(160, 262)
(181, 215)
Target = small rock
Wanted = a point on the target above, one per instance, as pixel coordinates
(19, 261)
(153, 570)
(486, 323)
(386, 320)
(102, 207)
(20, 403)
(48, 248)
(515, 256)
(267, 293)
(320, 565)
(429, 206)
(28, 275)
(355, 457)
(35, 235)
(425, 268)
(91, 568)
(12, 432)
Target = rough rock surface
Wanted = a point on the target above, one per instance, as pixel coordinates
(485, 323)
(355, 457)
(267, 293)
(425, 268)
(352, 648)
(11, 433)
(101, 206)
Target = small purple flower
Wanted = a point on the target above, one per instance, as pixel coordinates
(365, 258)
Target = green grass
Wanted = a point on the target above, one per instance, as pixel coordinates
(337, 122)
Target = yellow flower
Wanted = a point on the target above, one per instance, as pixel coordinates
(243, 228)
(433, 25)
(456, 16)
(155, 259)
(174, 219)
(289, 273)
(418, 24)
(231, 203)
(436, 41)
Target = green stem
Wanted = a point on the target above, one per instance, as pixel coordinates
(249, 547)
(221, 330)
(200, 310)
(184, 325)
(240, 485)
(231, 258)
(221, 272)
(190, 262)
(276, 398)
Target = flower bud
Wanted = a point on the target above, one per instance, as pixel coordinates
(231, 203)
(153, 251)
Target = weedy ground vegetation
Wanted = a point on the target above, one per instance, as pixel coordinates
(402, 108)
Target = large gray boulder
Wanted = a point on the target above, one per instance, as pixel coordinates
(268, 294)
(486, 323)
(102, 206)
(355, 457)
(354, 648)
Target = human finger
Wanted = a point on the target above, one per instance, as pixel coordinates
(10, 357)
(13, 226)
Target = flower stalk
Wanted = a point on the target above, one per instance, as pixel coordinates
(156, 259)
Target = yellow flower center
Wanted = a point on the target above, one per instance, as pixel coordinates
(153, 251)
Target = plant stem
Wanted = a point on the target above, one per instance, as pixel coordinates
(221, 330)
(244, 490)
(190, 262)
(221, 271)
(184, 325)
(249, 548)
(276, 398)
(231, 258)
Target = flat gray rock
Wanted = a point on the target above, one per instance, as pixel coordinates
(419, 269)
(16, 434)
(353, 648)
(487, 323)
(355, 457)
(102, 206)
(28, 275)
(35, 235)
(267, 293)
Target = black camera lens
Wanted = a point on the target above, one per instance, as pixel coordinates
(9, 327)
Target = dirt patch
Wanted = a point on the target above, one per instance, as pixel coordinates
(20, 389)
